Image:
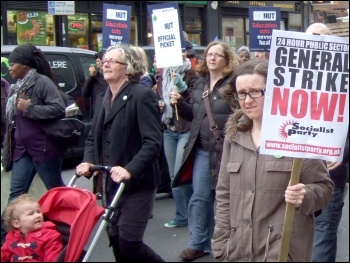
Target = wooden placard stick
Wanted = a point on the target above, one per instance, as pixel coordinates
(174, 89)
(289, 214)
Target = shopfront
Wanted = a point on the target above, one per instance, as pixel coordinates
(29, 22)
(235, 19)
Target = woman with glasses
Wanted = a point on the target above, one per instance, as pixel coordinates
(252, 189)
(202, 155)
(126, 134)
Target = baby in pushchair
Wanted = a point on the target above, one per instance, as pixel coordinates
(75, 212)
(29, 238)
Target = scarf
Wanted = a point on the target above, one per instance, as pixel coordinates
(20, 87)
(168, 86)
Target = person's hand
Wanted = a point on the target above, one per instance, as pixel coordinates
(332, 165)
(119, 174)
(22, 104)
(92, 70)
(174, 97)
(83, 169)
(295, 194)
(161, 105)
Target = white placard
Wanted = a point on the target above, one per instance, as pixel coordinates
(167, 41)
(61, 7)
(306, 108)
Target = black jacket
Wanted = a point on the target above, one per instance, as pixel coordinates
(130, 136)
(93, 87)
(195, 112)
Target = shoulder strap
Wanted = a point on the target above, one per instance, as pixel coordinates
(213, 126)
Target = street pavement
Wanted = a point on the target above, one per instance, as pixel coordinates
(167, 242)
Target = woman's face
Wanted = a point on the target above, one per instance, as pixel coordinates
(18, 71)
(252, 107)
(29, 217)
(260, 55)
(114, 69)
(99, 63)
(215, 58)
(244, 56)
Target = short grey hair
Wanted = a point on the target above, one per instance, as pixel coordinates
(134, 64)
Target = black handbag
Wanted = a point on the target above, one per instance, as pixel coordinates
(65, 131)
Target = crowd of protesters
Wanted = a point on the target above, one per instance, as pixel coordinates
(201, 122)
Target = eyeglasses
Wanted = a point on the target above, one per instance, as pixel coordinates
(252, 94)
(215, 55)
(112, 62)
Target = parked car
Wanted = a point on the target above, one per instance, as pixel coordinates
(71, 68)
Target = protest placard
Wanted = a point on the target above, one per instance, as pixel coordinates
(262, 22)
(167, 41)
(116, 25)
(307, 96)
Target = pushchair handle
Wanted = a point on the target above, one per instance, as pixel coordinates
(94, 168)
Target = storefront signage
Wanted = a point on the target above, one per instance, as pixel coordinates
(262, 21)
(61, 7)
(31, 27)
(306, 101)
(322, 2)
(116, 25)
(284, 6)
(76, 25)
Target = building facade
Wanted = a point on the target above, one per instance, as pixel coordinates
(204, 21)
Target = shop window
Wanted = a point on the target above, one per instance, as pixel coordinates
(78, 29)
(96, 29)
(150, 40)
(133, 31)
(193, 28)
(35, 27)
(233, 32)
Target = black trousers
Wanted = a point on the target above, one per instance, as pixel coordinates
(136, 251)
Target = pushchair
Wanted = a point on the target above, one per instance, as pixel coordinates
(75, 213)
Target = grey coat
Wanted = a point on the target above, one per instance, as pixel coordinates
(251, 204)
(46, 103)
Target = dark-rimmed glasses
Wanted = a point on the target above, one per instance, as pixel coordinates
(112, 62)
(252, 94)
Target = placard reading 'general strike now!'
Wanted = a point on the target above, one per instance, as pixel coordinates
(306, 110)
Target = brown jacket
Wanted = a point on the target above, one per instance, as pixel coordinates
(251, 203)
